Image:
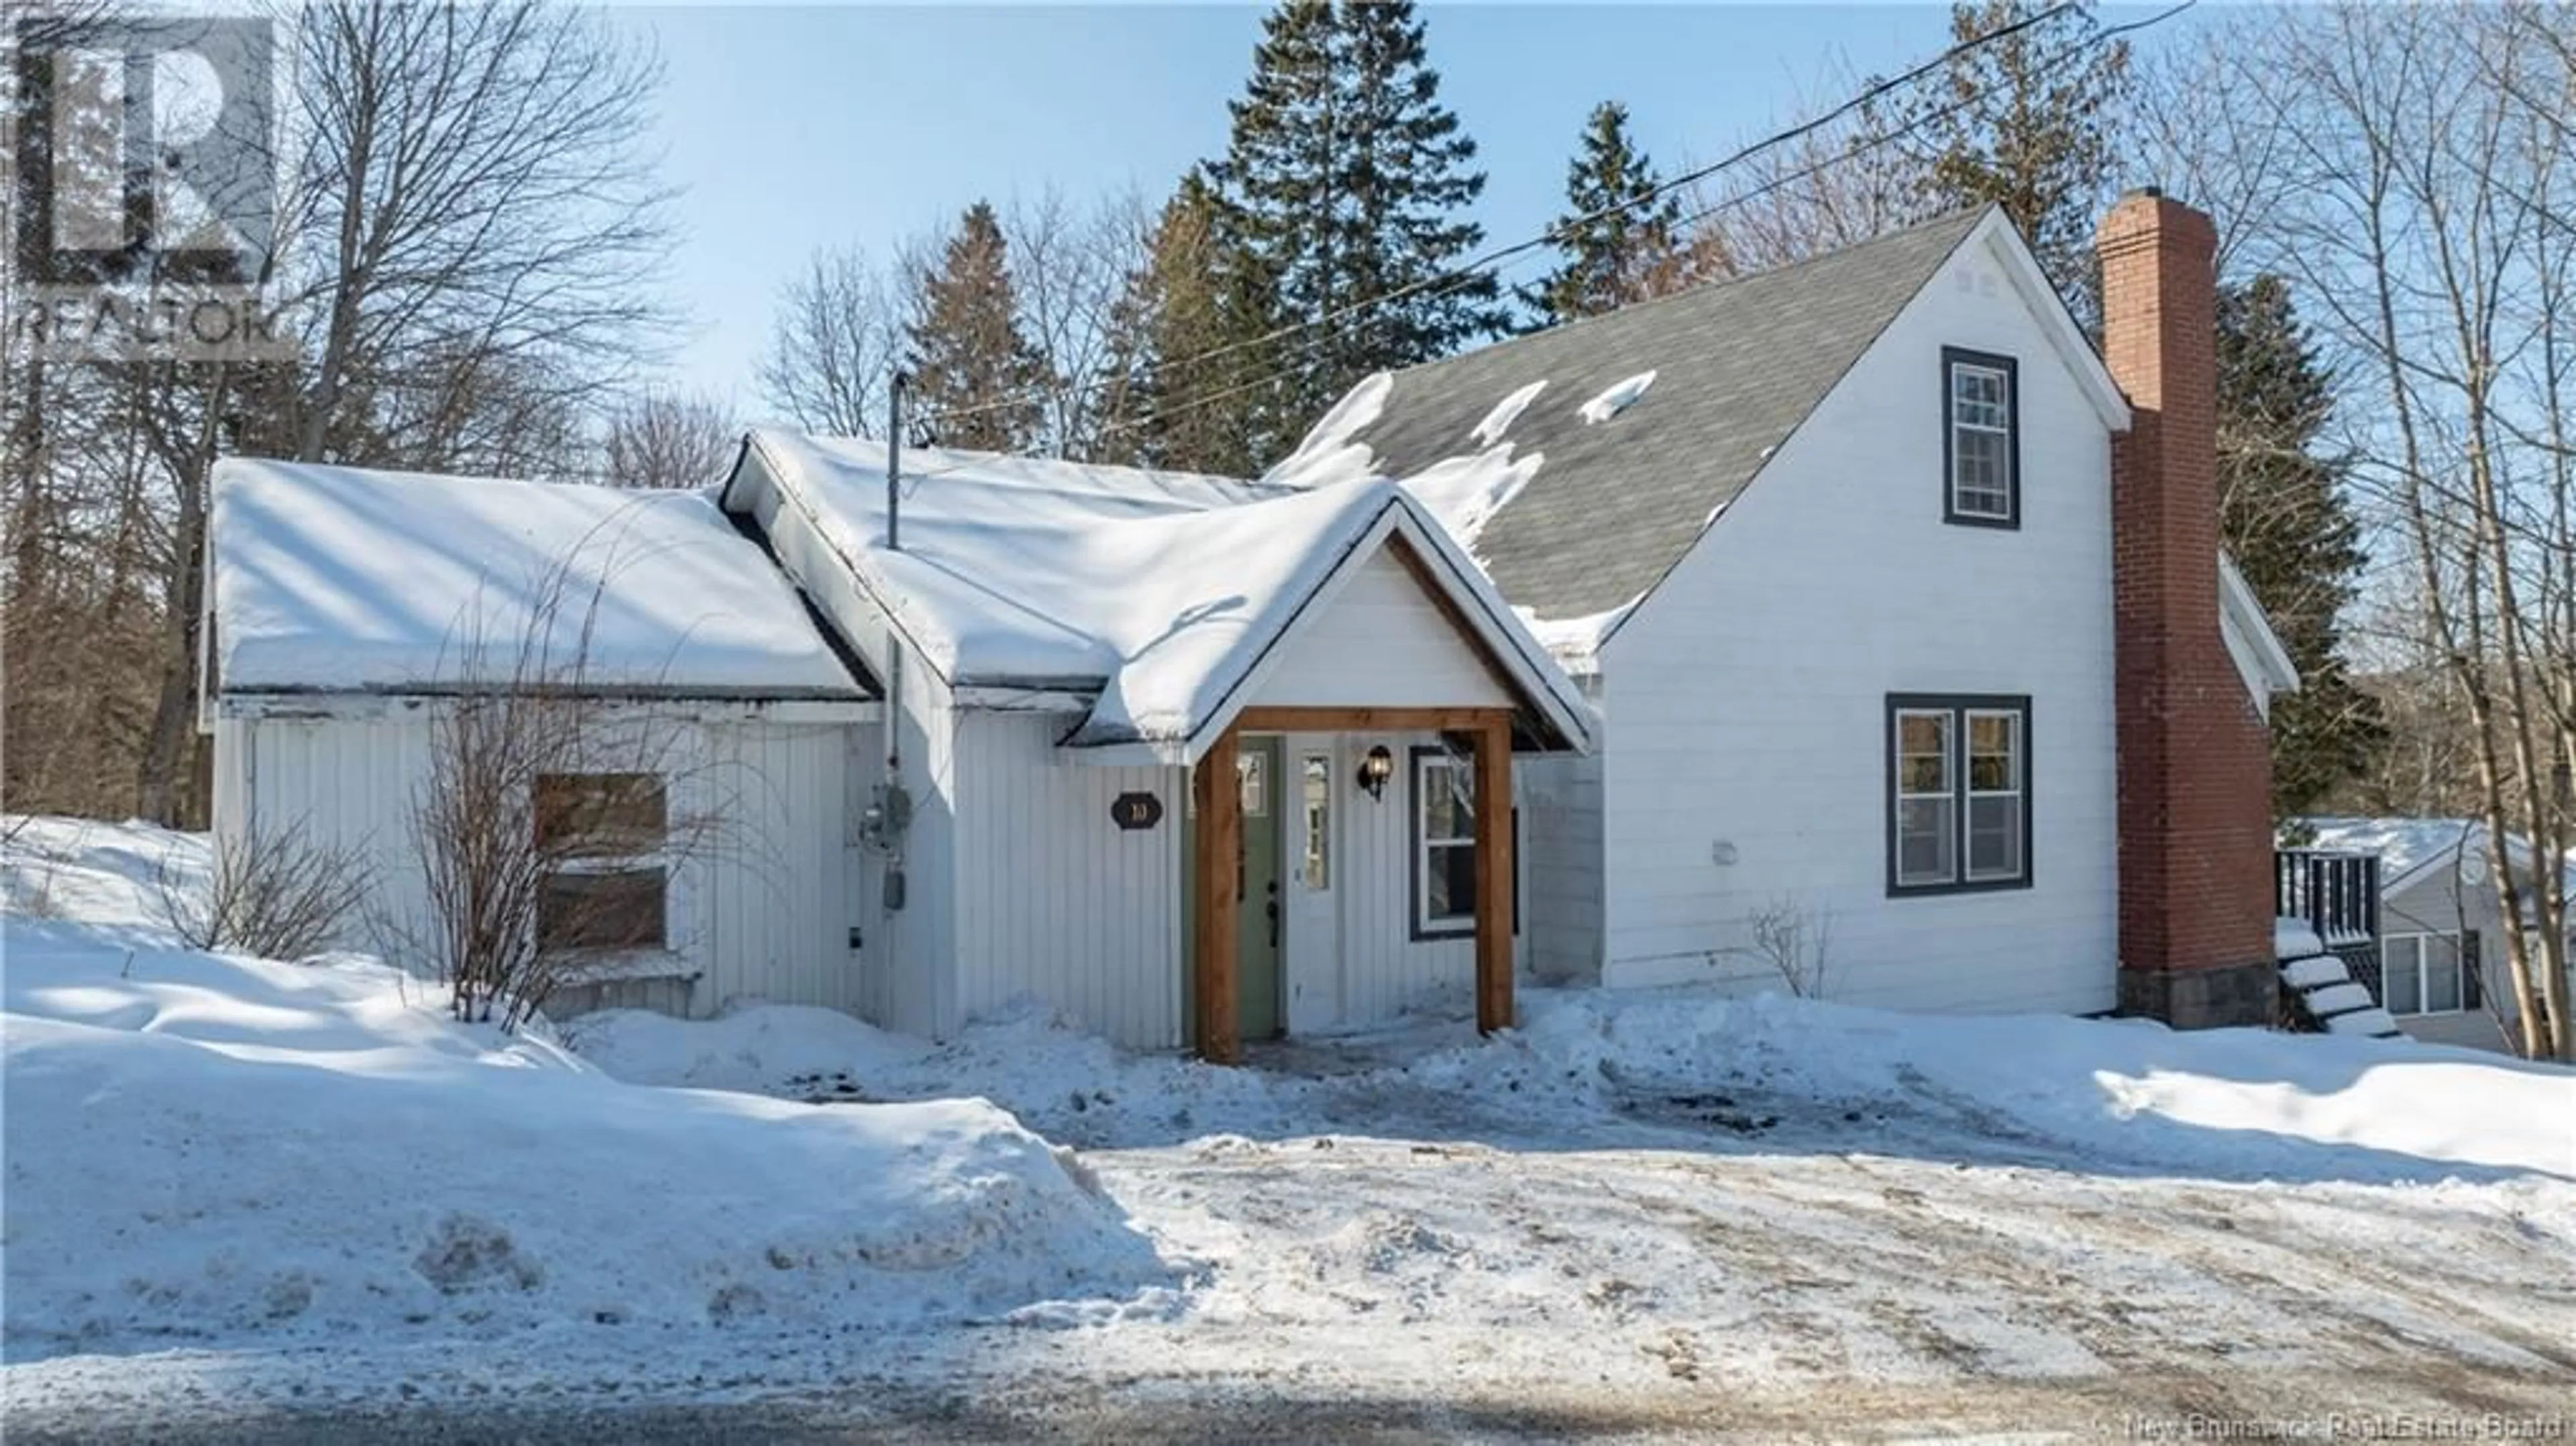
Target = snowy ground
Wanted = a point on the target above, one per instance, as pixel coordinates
(1644, 1215)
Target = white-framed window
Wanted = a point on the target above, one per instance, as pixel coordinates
(1958, 800)
(1981, 442)
(2424, 974)
(1444, 843)
(601, 837)
(1315, 786)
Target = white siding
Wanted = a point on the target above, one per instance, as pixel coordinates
(1378, 641)
(1561, 838)
(1745, 699)
(1055, 902)
(763, 911)
(1384, 968)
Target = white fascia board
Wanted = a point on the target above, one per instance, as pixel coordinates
(2066, 338)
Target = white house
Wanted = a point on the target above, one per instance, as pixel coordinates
(1862, 593)
(1899, 618)
(2442, 951)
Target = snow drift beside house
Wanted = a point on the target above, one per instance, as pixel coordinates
(210, 1147)
(341, 579)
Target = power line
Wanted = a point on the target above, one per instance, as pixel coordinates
(1465, 276)
(1465, 272)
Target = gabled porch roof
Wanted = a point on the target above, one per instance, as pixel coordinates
(1157, 602)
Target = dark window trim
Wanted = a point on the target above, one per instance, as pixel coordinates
(1414, 929)
(1951, 358)
(1958, 706)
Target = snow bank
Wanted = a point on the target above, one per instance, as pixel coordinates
(2125, 1090)
(338, 578)
(212, 1148)
(2124, 1094)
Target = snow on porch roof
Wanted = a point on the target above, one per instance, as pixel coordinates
(1161, 593)
(338, 580)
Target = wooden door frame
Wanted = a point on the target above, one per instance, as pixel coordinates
(1214, 957)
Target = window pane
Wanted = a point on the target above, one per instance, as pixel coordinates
(1994, 837)
(600, 814)
(1926, 838)
(1446, 792)
(615, 910)
(1993, 749)
(1449, 883)
(1251, 771)
(2397, 969)
(1979, 396)
(1978, 476)
(2441, 973)
(1317, 786)
(1923, 752)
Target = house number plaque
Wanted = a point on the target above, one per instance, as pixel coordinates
(1133, 811)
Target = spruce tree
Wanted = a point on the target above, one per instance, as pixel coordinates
(1182, 393)
(1611, 256)
(1343, 182)
(2030, 122)
(975, 375)
(2285, 518)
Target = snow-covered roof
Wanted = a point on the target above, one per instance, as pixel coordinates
(1159, 594)
(342, 580)
(2412, 848)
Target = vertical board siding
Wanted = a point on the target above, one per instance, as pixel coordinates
(1561, 841)
(1384, 969)
(1379, 641)
(763, 912)
(1055, 903)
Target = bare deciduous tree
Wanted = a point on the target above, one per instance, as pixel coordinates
(669, 439)
(2427, 209)
(837, 340)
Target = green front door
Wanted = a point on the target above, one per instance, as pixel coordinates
(1257, 887)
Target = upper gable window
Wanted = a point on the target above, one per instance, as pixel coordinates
(1981, 438)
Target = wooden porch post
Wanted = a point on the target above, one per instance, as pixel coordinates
(1212, 953)
(1494, 872)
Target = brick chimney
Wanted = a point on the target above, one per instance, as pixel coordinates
(2195, 769)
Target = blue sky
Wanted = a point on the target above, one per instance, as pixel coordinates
(794, 128)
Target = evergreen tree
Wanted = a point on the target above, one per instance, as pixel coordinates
(2285, 519)
(1342, 182)
(2030, 122)
(1172, 404)
(1615, 258)
(974, 372)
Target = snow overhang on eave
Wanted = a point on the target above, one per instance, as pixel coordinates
(1551, 712)
(2261, 660)
(392, 700)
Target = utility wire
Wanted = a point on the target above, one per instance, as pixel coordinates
(1466, 272)
(1466, 276)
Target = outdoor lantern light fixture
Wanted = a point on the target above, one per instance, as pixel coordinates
(1375, 770)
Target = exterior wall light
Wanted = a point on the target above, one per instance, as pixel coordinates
(1375, 770)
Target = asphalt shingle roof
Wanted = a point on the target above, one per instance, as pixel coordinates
(1738, 365)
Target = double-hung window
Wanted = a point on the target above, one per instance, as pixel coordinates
(1980, 439)
(1958, 778)
(601, 840)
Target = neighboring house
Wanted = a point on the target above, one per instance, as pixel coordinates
(2443, 957)
(1905, 628)
(1845, 553)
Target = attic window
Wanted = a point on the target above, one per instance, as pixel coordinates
(1980, 439)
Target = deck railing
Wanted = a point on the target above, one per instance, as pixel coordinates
(2336, 891)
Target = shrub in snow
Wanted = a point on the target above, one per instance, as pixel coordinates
(546, 828)
(274, 892)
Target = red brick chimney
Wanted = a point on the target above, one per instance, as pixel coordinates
(2195, 758)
